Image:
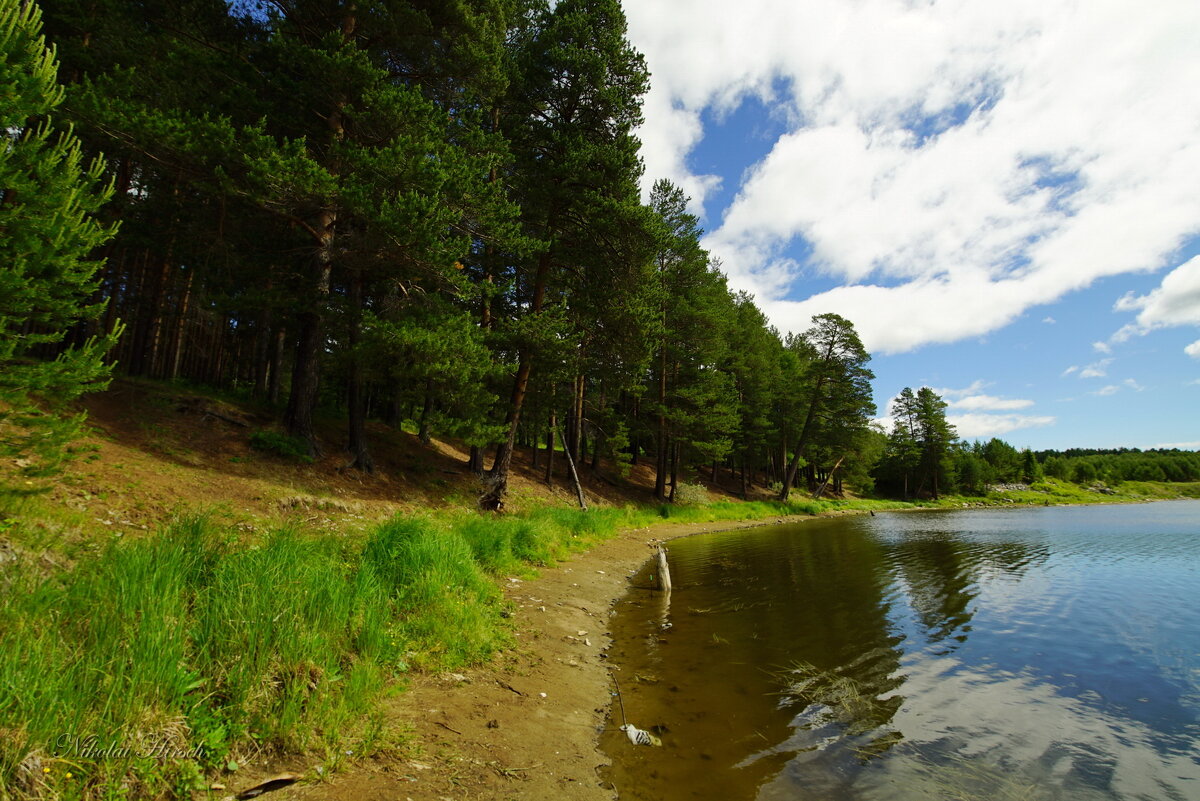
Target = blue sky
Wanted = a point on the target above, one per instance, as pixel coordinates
(1003, 197)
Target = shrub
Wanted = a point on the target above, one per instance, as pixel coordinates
(291, 448)
(691, 495)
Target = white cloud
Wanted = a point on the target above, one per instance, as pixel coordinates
(1134, 385)
(974, 388)
(1183, 446)
(1101, 347)
(1111, 389)
(1096, 370)
(973, 399)
(1049, 320)
(951, 164)
(966, 412)
(967, 409)
(979, 426)
(990, 403)
(1175, 302)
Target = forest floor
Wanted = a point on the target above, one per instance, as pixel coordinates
(156, 451)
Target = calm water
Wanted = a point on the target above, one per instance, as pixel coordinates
(1011, 654)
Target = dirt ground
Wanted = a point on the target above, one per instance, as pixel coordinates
(525, 726)
(157, 451)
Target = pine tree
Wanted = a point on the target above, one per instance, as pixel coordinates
(48, 198)
(837, 384)
(570, 115)
(696, 399)
(936, 435)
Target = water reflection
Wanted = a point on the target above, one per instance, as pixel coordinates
(959, 655)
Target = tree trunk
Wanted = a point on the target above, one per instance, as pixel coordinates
(177, 338)
(264, 334)
(426, 411)
(674, 471)
(275, 381)
(357, 413)
(302, 400)
(577, 444)
(493, 499)
(550, 448)
(794, 465)
(663, 457)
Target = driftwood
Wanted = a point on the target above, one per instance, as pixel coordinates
(664, 571)
(821, 489)
(574, 475)
(273, 783)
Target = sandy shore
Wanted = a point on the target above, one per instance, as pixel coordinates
(524, 726)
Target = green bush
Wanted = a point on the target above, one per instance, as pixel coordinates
(291, 448)
(691, 495)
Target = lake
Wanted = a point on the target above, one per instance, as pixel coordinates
(1026, 653)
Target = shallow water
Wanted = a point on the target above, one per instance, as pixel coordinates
(1011, 654)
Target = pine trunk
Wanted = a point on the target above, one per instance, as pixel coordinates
(357, 413)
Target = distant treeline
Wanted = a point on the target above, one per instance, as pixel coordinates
(971, 467)
(1121, 464)
(427, 211)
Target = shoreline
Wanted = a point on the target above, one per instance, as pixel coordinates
(526, 725)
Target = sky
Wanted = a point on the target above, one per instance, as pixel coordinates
(1003, 197)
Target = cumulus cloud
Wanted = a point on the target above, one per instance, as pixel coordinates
(1111, 389)
(1183, 446)
(980, 426)
(973, 399)
(948, 164)
(1094, 370)
(967, 409)
(990, 403)
(1175, 302)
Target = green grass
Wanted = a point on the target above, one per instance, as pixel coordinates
(179, 643)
